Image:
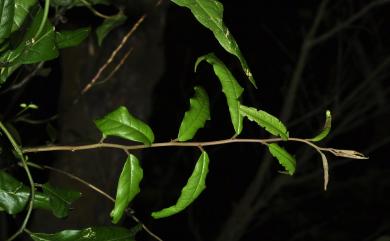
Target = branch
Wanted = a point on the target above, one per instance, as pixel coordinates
(348, 22)
(20, 155)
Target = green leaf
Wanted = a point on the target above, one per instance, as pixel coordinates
(210, 14)
(88, 234)
(269, 122)
(230, 88)
(13, 194)
(196, 116)
(128, 186)
(7, 12)
(194, 187)
(60, 199)
(71, 38)
(325, 131)
(22, 9)
(284, 158)
(122, 124)
(108, 25)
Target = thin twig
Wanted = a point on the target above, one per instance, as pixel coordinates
(115, 52)
(25, 80)
(20, 156)
(348, 22)
(104, 194)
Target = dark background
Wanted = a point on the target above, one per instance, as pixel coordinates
(246, 198)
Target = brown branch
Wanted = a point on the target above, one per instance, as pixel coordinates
(115, 52)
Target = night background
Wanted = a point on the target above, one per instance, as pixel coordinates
(346, 69)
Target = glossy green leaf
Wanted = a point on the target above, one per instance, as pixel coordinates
(7, 12)
(128, 186)
(71, 38)
(14, 194)
(269, 122)
(325, 131)
(196, 116)
(88, 234)
(60, 199)
(194, 187)
(108, 25)
(22, 9)
(122, 124)
(285, 159)
(230, 88)
(210, 14)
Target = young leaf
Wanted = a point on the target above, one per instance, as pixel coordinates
(122, 124)
(71, 38)
(108, 25)
(230, 88)
(60, 199)
(196, 116)
(88, 234)
(210, 14)
(284, 158)
(7, 12)
(195, 185)
(269, 122)
(128, 187)
(325, 131)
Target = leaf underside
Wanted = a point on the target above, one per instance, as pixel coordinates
(269, 122)
(194, 187)
(230, 87)
(284, 158)
(196, 116)
(210, 14)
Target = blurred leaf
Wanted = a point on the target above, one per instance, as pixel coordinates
(284, 158)
(71, 38)
(210, 14)
(60, 199)
(122, 124)
(108, 25)
(22, 9)
(88, 234)
(230, 88)
(269, 122)
(51, 132)
(194, 187)
(7, 12)
(76, 3)
(196, 116)
(325, 131)
(128, 187)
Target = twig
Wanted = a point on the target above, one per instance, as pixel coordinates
(20, 155)
(25, 80)
(104, 194)
(115, 52)
(348, 22)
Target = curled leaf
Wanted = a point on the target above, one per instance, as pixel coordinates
(325, 131)
(194, 187)
(347, 153)
(196, 116)
(325, 167)
(284, 158)
(230, 88)
(269, 122)
(210, 14)
(128, 186)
